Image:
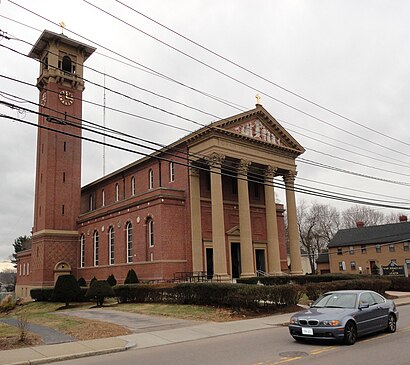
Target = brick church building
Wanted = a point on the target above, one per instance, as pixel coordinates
(205, 203)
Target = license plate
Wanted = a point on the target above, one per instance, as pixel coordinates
(307, 331)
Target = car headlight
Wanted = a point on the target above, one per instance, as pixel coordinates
(331, 323)
(293, 321)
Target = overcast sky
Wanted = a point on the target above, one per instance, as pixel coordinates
(351, 57)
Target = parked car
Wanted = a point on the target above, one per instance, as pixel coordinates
(344, 315)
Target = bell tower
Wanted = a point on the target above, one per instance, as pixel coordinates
(58, 168)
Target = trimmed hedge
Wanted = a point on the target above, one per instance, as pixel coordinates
(42, 295)
(300, 279)
(46, 294)
(314, 290)
(236, 296)
(399, 283)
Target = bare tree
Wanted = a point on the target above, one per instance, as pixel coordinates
(361, 213)
(317, 224)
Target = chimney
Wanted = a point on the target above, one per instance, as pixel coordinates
(403, 218)
(359, 224)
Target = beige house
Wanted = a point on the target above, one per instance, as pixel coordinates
(365, 249)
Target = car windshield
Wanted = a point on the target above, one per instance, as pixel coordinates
(336, 300)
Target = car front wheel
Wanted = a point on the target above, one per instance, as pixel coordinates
(350, 333)
(391, 324)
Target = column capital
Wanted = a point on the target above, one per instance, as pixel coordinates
(270, 172)
(215, 159)
(243, 166)
(193, 170)
(290, 177)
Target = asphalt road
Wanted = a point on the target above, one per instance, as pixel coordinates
(270, 347)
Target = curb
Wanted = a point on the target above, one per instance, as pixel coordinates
(47, 360)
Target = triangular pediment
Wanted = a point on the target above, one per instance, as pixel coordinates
(259, 125)
(234, 231)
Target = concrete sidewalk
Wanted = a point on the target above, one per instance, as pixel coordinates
(50, 353)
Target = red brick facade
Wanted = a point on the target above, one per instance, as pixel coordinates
(140, 215)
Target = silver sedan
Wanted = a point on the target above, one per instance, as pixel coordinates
(345, 315)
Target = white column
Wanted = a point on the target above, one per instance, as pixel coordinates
(218, 224)
(245, 228)
(196, 228)
(271, 223)
(294, 247)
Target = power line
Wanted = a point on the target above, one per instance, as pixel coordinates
(188, 119)
(318, 164)
(257, 75)
(239, 81)
(296, 189)
(168, 78)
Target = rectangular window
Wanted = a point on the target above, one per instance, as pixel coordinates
(351, 250)
(353, 265)
(62, 210)
(363, 248)
(234, 185)
(117, 192)
(405, 246)
(378, 248)
(129, 242)
(256, 191)
(392, 248)
(171, 171)
(342, 266)
(111, 244)
(339, 251)
(82, 249)
(96, 243)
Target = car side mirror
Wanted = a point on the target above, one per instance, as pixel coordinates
(364, 305)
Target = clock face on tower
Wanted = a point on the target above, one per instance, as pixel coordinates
(66, 97)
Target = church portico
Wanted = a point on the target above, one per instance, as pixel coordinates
(242, 201)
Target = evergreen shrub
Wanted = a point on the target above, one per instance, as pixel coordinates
(112, 280)
(82, 282)
(41, 294)
(99, 290)
(131, 278)
(66, 289)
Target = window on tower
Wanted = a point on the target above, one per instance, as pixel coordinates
(66, 64)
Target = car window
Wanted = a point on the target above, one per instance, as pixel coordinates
(377, 298)
(367, 298)
(336, 300)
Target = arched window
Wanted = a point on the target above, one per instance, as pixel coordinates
(91, 202)
(66, 64)
(128, 230)
(95, 239)
(111, 245)
(151, 179)
(103, 198)
(171, 171)
(133, 185)
(150, 232)
(82, 251)
(117, 192)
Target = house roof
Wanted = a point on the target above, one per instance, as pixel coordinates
(394, 232)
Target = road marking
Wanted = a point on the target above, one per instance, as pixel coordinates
(324, 349)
